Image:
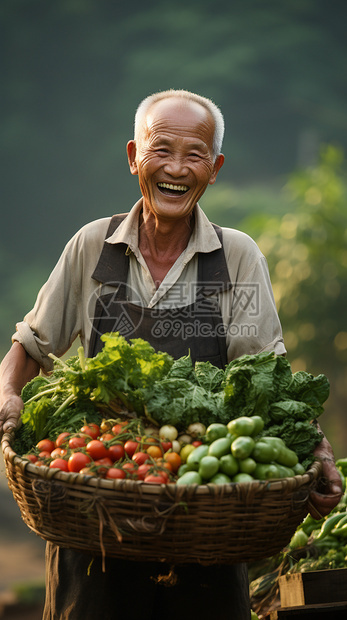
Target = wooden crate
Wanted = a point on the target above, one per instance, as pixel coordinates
(323, 611)
(312, 588)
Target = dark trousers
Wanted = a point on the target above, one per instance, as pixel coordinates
(78, 589)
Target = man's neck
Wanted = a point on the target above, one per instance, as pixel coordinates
(162, 242)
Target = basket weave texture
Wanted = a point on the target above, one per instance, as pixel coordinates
(208, 524)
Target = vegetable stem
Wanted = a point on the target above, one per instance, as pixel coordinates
(49, 390)
(64, 405)
(62, 363)
(81, 357)
(59, 361)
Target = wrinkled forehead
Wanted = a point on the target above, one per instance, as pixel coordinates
(181, 116)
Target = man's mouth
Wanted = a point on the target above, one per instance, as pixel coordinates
(170, 189)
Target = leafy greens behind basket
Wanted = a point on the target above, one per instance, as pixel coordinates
(133, 376)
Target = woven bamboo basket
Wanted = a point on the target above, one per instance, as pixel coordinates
(208, 524)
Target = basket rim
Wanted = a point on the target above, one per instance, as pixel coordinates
(47, 473)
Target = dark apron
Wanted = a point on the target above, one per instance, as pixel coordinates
(197, 328)
(76, 586)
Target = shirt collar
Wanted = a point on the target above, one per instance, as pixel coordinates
(203, 237)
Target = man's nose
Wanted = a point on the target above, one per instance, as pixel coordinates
(176, 167)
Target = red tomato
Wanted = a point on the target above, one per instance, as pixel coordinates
(62, 439)
(140, 457)
(91, 429)
(106, 437)
(143, 470)
(130, 447)
(156, 478)
(116, 452)
(58, 452)
(78, 441)
(196, 443)
(165, 465)
(60, 464)
(130, 467)
(45, 445)
(44, 454)
(77, 461)
(96, 449)
(31, 457)
(86, 471)
(118, 428)
(166, 445)
(103, 465)
(115, 473)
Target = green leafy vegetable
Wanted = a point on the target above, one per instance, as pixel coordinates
(311, 390)
(180, 402)
(252, 382)
(291, 408)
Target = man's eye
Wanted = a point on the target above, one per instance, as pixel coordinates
(162, 151)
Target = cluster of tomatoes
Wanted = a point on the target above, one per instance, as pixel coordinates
(113, 450)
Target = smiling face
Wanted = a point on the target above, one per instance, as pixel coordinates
(173, 157)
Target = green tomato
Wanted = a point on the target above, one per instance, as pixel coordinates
(220, 447)
(264, 452)
(208, 467)
(190, 477)
(283, 471)
(258, 424)
(266, 471)
(241, 426)
(196, 455)
(247, 466)
(242, 447)
(243, 478)
(220, 478)
(182, 469)
(228, 465)
(298, 469)
(215, 431)
(287, 457)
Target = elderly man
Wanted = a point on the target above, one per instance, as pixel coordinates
(162, 272)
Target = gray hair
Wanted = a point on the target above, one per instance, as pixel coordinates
(215, 112)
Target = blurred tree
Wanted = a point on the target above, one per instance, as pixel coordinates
(306, 248)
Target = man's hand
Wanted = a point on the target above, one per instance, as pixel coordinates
(17, 368)
(10, 413)
(329, 492)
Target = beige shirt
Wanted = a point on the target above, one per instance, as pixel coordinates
(65, 304)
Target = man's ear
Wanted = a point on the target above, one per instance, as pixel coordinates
(131, 152)
(216, 168)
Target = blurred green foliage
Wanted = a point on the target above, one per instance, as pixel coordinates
(73, 73)
(305, 243)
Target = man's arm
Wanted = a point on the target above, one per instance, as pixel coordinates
(17, 368)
